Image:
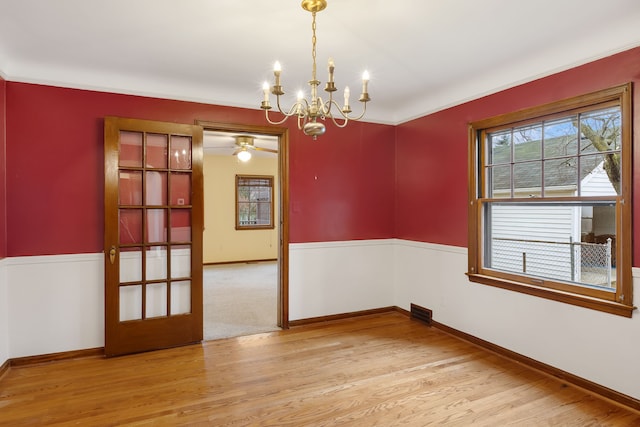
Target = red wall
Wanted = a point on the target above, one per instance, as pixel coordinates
(55, 172)
(3, 201)
(353, 183)
(431, 152)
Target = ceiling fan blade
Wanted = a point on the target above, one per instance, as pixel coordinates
(264, 149)
(235, 153)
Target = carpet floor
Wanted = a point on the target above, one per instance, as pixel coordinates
(240, 299)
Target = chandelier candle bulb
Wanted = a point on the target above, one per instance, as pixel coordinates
(346, 97)
(365, 81)
(299, 110)
(277, 68)
(331, 68)
(265, 90)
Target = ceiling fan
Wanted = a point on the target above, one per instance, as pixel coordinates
(245, 144)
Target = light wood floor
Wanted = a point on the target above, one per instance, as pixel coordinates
(378, 370)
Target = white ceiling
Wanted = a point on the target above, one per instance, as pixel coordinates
(423, 55)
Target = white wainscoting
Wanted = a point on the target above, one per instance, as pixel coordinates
(56, 303)
(4, 313)
(599, 347)
(339, 277)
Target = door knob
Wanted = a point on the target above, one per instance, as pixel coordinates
(112, 254)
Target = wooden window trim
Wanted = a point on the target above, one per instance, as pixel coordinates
(271, 224)
(622, 301)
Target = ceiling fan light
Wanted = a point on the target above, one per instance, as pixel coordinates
(244, 155)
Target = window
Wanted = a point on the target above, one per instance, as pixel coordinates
(254, 202)
(550, 201)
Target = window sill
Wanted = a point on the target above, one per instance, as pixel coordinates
(611, 307)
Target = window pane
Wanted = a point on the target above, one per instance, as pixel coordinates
(527, 142)
(527, 179)
(600, 175)
(567, 242)
(500, 182)
(601, 130)
(561, 177)
(500, 147)
(560, 138)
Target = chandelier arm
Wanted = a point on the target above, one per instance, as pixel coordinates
(354, 118)
(333, 119)
(290, 113)
(301, 123)
(266, 115)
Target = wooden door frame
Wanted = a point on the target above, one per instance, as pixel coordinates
(283, 185)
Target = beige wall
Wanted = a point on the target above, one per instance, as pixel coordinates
(222, 242)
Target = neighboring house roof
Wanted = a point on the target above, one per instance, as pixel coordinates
(558, 171)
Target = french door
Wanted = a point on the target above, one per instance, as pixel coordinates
(153, 235)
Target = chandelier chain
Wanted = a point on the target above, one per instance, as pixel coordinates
(313, 42)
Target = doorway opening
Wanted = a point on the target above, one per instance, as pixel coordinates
(245, 242)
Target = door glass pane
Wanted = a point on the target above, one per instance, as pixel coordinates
(130, 303)
(156, 225)
(130, 187)
(156, 300)
(180, 152)
(130, 226)
(156, 151)
(180, 225)
(180, 261)
(180, 189)
(156, 188)
(181, 297)
(130, 149)
(156, 263)
(130, 265)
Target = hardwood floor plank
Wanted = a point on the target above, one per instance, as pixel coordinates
(382, 369)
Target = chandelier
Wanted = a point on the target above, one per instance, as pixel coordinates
(306, 111)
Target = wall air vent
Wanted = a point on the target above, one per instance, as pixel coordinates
(420, 313)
